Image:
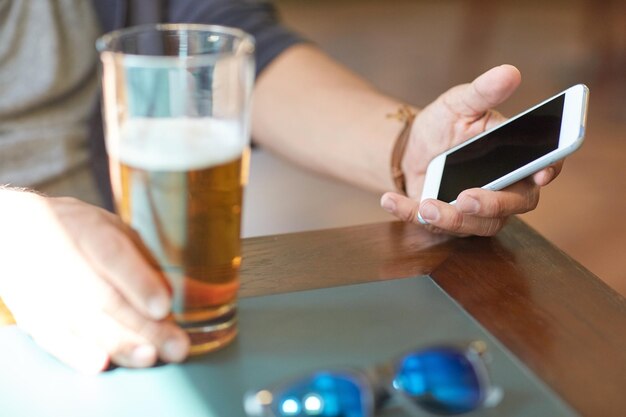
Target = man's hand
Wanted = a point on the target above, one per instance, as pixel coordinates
(82, 284)
(457, 115)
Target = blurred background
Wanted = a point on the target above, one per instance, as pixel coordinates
(416, 49)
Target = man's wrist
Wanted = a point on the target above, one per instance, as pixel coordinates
(407, 116)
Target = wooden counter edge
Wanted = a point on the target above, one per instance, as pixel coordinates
(562, 321)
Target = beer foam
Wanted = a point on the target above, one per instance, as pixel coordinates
(177, 144)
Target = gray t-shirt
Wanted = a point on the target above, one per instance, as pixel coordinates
(48, 84)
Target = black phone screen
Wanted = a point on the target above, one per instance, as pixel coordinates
(502, 151)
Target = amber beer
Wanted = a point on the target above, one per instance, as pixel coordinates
(179, 184)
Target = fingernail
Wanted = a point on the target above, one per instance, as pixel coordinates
(143, 355)
(429, 212)
(469, 205)
(158, 307)
(388, 204)
(175, 350)
(545, 177)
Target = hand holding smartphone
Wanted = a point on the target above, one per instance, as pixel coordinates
(516, 149)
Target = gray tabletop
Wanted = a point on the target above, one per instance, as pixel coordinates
(280, 336)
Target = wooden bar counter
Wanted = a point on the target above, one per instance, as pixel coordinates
(564, 323)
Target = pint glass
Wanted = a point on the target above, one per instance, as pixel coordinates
(176, 103)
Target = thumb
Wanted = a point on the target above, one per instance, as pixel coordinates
(485, 92)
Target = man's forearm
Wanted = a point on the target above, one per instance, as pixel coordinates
(317, 113)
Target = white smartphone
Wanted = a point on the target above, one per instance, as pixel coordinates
(521, 146)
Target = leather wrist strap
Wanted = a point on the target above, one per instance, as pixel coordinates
(405, 115)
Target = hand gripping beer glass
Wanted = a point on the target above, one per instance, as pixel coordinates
(176, 102)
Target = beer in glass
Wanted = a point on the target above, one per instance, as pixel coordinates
(176, 107)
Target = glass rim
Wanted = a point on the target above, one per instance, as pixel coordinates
(103, 43)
